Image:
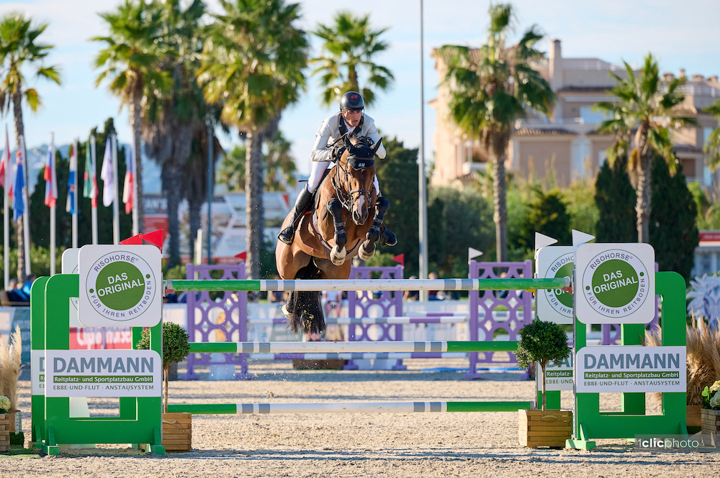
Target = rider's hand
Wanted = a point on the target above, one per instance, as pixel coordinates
(337, 150)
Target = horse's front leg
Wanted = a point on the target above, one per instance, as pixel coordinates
(338, 252)
(367, 248)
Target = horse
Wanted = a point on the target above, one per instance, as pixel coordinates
(344, 222)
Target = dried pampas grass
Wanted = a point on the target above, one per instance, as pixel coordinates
(10, 364)
(703, 358)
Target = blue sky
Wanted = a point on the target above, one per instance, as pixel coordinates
(680, 34)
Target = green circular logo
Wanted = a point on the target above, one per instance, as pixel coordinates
(615, 283)
(120, 285)
(564, 297)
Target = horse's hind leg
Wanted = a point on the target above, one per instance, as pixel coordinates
(367, 248)
(338, 252)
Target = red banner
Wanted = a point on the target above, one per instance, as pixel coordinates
(95, 338)
(709, 236)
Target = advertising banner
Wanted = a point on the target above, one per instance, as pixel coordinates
(557, 377)
(555, 305)
(616, 368)
(615, 283)
(103, 373)
(120, 286)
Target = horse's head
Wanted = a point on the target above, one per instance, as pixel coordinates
(359, 166)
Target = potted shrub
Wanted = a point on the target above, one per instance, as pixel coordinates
(4, 424)
(543, 342)
(177, 427)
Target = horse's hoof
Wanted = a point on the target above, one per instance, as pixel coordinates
(287, 313)
(337, 257)
(366, 253)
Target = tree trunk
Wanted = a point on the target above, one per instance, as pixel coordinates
(171, 179)
(167, 371)
(496, 151)
(643, 206)
(20, 131)
(194, 210)
(353, 79)
(542, 365)
(135, 111)
(254, 202)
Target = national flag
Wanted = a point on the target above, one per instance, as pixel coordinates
(50, 176)
(19, 184)
(89, 180)
(72, 192)
(5, 166)
(128, 187)
(106, 174)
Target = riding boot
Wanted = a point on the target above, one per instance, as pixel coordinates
(301, 204)
(387, 238)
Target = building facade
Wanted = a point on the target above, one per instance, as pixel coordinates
(567, 145)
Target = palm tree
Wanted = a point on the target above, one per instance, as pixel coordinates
(20, 52)
(130, 60)
(253, 63)
(490, 87)
(170, 121)
(643, 107)
(279, 164)
(195, 180)
(348, 49)
(712, 142)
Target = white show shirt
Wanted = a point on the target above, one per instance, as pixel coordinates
(329, 132)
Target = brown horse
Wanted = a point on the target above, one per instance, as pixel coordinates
(345, 222)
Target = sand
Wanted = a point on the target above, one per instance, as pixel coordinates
(339, 445)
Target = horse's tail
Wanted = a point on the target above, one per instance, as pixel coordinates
(305, 308)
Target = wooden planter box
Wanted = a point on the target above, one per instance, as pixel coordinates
(177, 432)
(710, 426)
(694, 416)
(544, 428)
(4, 433)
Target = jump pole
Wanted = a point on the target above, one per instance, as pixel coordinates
(456, 319)
(348, 407)
(320, 285)
(350, 347)
(362, 356)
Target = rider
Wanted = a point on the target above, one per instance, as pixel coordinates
(351, 118)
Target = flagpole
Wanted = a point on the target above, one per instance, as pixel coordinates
(93, 202)
(6, 212)
(116, 212)
(52, 208)
(26, 221)
(75, 200)
(135, 219)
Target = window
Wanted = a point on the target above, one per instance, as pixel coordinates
(589, 116)
(602, 157)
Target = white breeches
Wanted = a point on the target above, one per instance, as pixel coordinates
(316, 174)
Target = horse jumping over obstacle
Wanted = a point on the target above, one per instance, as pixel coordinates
(345, 222)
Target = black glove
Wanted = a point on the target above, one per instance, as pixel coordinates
(337, 150)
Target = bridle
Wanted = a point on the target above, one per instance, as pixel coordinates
(346, 198)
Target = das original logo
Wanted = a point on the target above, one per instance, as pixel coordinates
(120, 286)
(559, 299)
(615, 283)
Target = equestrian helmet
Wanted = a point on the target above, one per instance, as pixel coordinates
(352, 100)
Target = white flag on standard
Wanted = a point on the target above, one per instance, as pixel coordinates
(106, 174)
(473, 253)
